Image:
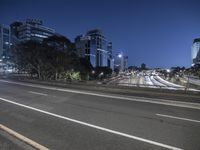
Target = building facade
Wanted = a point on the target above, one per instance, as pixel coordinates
(110, 56)
(4, 41)
(14, 32)
(196, 51)
(125, 63)
(95, 47)
(120, 62)
(31, 29)
(82, 44)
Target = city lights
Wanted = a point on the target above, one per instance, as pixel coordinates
(120, 55)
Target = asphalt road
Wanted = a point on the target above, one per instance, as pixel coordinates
(65, 119)
(151, 81)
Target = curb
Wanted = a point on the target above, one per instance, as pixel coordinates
(23, 138)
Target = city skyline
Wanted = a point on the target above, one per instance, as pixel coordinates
(159, 34)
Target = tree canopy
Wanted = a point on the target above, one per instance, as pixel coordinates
(50, 59)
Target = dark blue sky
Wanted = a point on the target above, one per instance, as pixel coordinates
(156, 32)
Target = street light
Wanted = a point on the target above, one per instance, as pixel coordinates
(120, 55)
(101, 74)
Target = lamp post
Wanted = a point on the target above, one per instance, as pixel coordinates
(120, 57)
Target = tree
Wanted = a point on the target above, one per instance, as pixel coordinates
(116, 70)
(143, 66)
(132, 68)
(195, 70)
(85, 68)
(59, 42)
(49, 61)
(29, 57)
(103, 72)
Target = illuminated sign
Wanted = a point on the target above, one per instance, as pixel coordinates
(34, 21)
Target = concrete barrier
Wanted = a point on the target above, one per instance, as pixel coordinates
(22, 138)
(182, 95)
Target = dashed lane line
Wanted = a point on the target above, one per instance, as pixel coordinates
(94, 126)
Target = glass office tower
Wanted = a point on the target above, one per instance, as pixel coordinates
(98, 48)
(196, 52)
(95, 47)
(31, 29)
(4, 41)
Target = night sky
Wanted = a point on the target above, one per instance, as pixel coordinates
(158, 33)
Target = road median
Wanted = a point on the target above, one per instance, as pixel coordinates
(178, 95)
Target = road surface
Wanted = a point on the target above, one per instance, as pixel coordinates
(70, 119)
(150, 80)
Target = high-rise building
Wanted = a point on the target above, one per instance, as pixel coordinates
(82, 44)
(98, 48)
(95, 48)
(125, 63)
(120, 62)
(14, 32)
(110, 56)
(4, 41)
(196, 51)
(31, 29)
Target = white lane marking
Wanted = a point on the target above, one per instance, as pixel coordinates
(179, 118)
(145, 100)
(168, 83)
(37, 93)
(94, 126)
